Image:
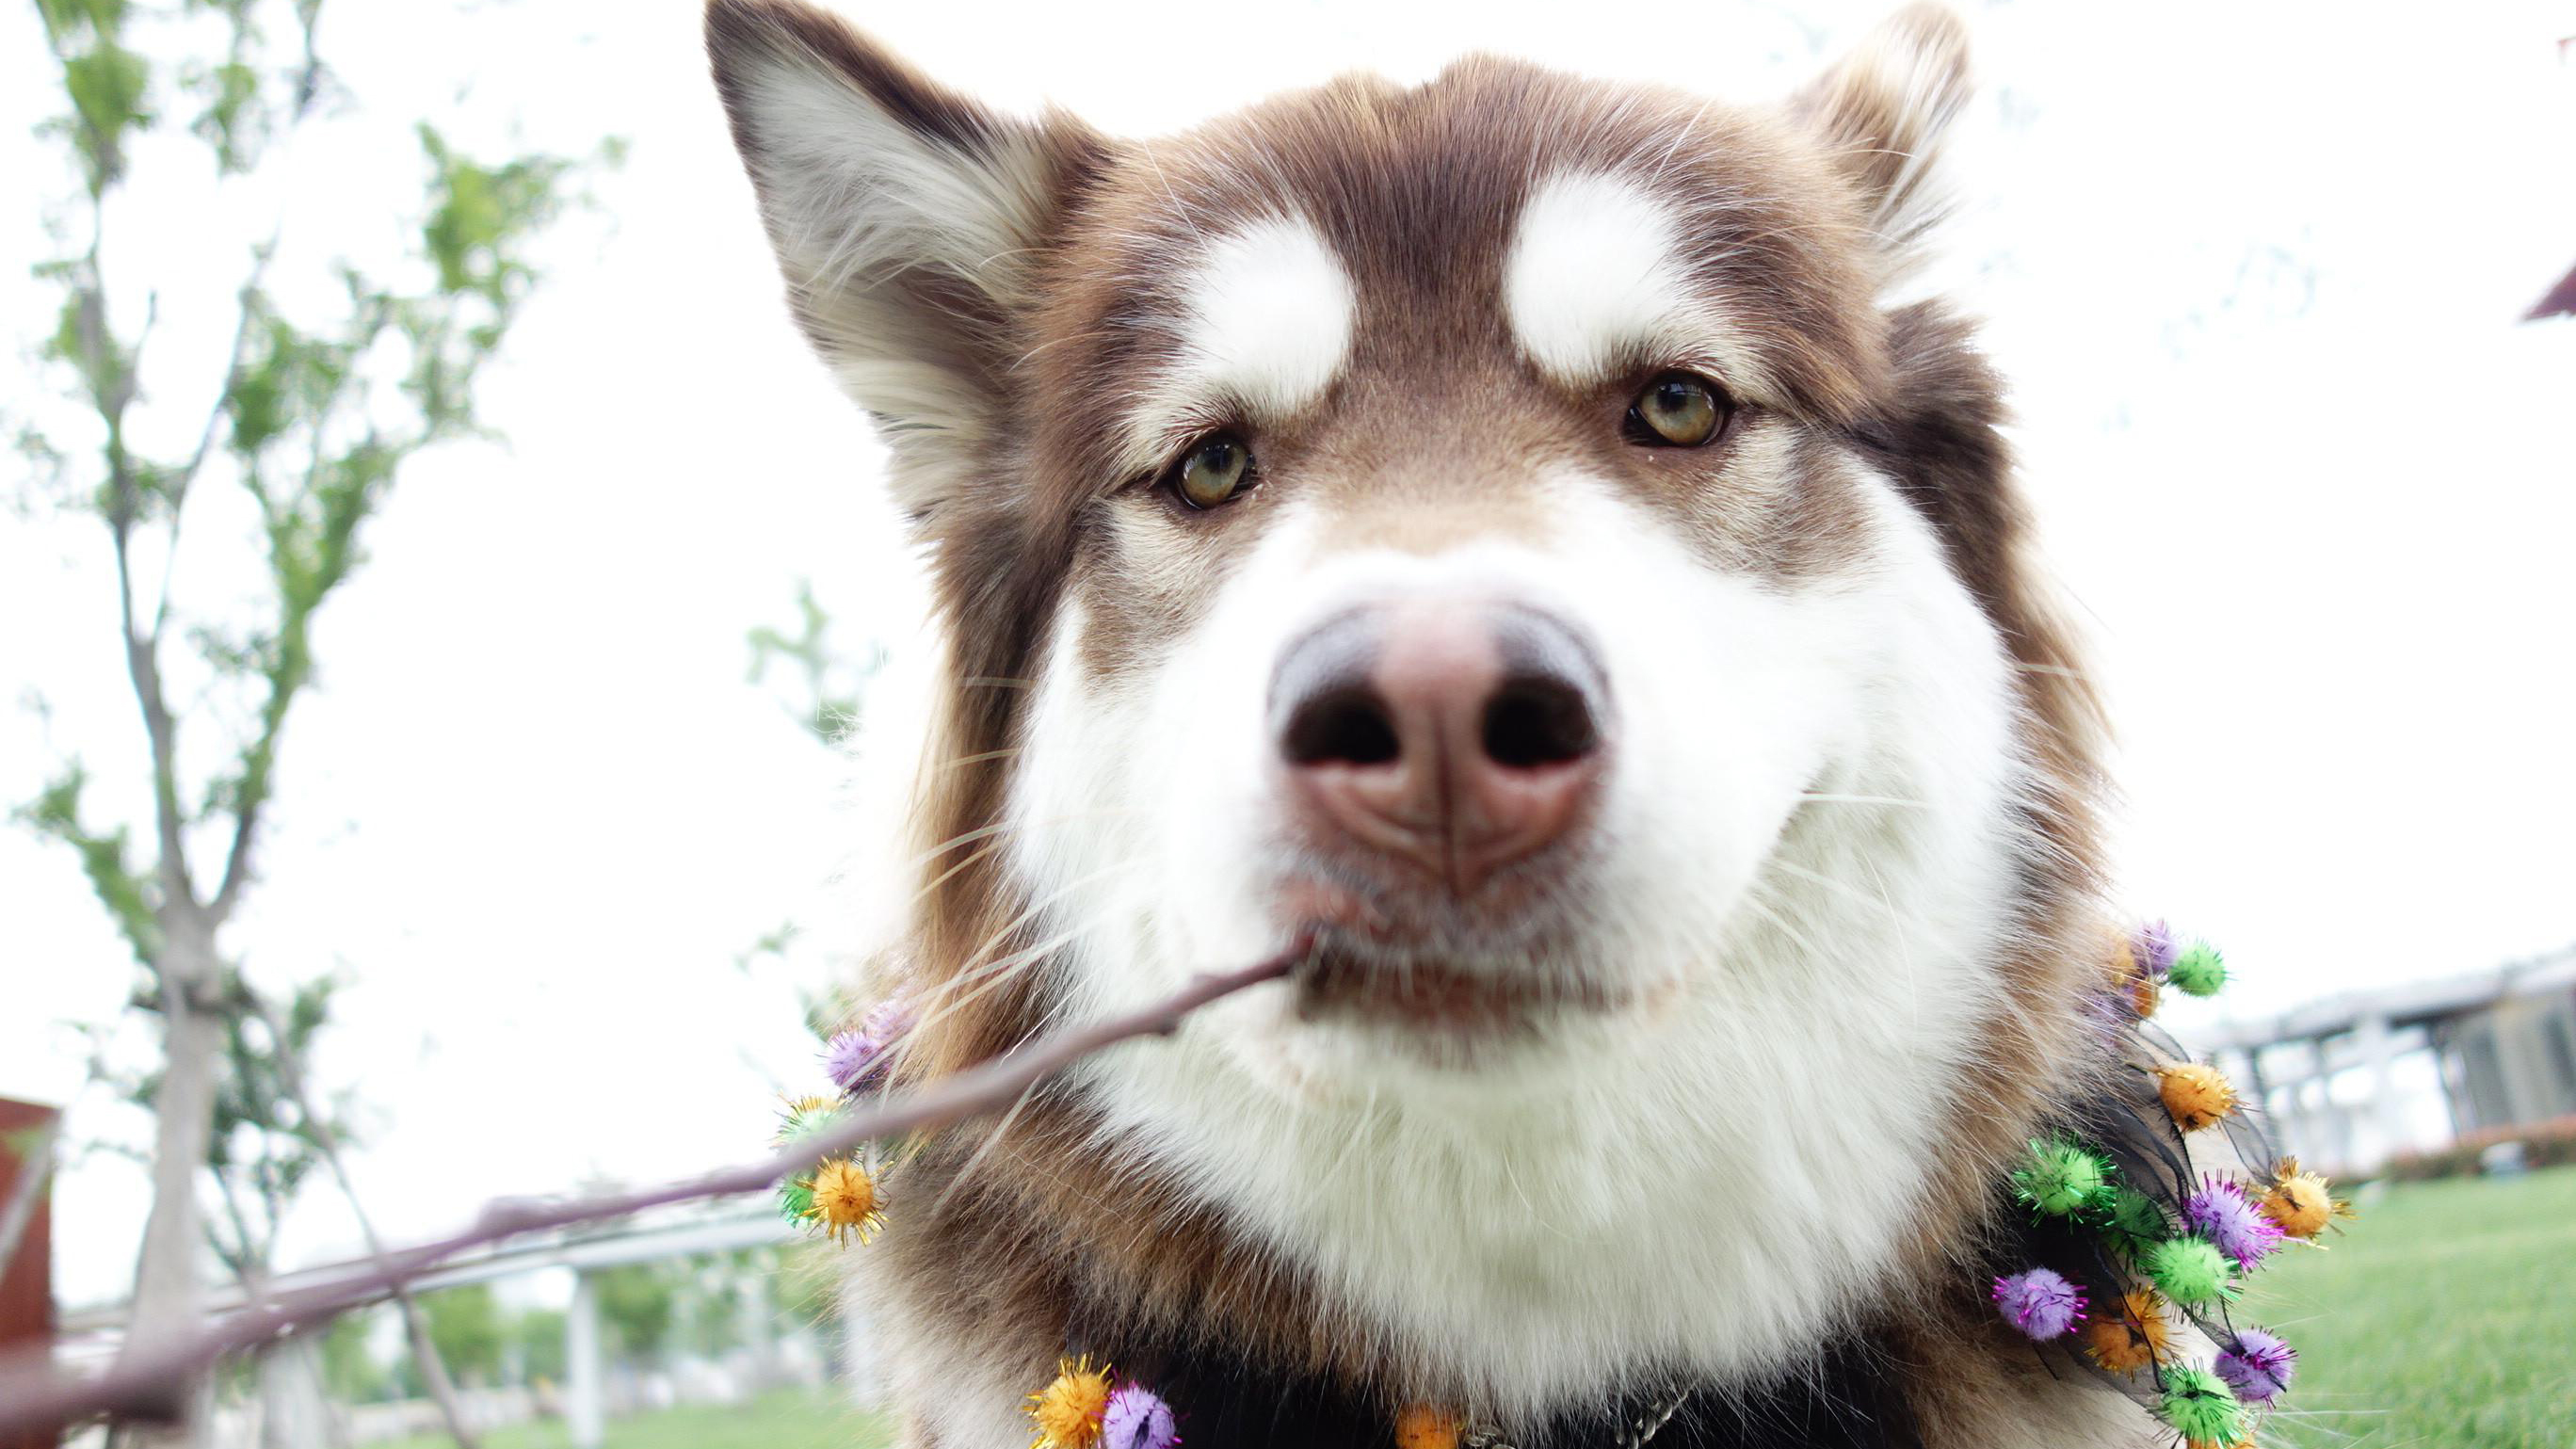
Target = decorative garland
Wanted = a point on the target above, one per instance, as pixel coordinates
(2182, 1258)
(2173, 1251)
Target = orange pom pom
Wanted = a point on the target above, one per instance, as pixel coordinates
(1068, 1411)
(845, 1201)
(2132, 1340)
(2119, 960)
(2124, 975)
(1422, 1427)
(2301, 1202)
(2196, 1096)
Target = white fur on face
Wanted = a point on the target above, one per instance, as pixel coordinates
(1597, 279)
(1698, 1180)
(1264, 324)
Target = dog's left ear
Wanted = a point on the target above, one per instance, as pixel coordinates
(908, 220)
(1881, 110)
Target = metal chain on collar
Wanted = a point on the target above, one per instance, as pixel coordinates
(1645, 1425)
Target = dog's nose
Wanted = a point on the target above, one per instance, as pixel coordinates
(1451, 738)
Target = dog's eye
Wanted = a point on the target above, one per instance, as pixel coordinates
(1216, 470)
(1677, 410)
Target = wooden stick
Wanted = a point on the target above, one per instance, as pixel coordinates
(150, 1381)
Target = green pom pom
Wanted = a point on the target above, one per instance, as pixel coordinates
(2199, 970)
(2191, 1270)
(804, 1119)
(2060, 1178)
(796, 1200)
(2200, 1406)
(2136, 1221)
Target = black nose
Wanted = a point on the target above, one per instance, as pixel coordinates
(1457, 738)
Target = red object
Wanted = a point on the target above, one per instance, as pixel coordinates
(27, 1280)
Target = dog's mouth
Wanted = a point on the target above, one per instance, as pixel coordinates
(1437, 996)
(1449, 974)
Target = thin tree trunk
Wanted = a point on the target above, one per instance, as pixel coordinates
(293, 1411)
(433, 1369)
(424, 1350)
(168, 1293)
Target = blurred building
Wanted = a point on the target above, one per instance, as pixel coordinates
(2342, 1079)
(26, 1236)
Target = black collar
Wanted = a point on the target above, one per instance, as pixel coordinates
(1848, 1396)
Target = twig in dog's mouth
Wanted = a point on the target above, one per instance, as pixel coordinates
(149, 1381)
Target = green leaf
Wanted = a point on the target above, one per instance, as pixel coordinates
(104, 860)
(107, 85)
(233, 121)
(480, 214)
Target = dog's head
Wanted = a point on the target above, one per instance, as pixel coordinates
(1501, 529)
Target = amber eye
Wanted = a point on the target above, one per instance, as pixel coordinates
(1217, 468)
(1677, 410)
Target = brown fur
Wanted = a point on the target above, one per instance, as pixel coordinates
(1416, 189)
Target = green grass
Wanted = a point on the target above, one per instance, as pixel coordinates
(2445, 1317)
(786, 1419)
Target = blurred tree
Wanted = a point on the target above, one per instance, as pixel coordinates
(825, 688)
(314, 413)
(827, 683)
(350, 1367)
(724, 1290)
(263, 1143)
(466, 1325)
(636, 1300)
(539, 1337)
(805, 1287)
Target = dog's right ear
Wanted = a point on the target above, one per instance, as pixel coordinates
(1883, 110)
(907, 219)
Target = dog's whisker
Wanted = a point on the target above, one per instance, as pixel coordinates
(992, 1138)
(963, 864)
(1780, 922)
(980, 756)
(1008, 825)
(1039, 905)
(943, 1001)
(1845, 888)
(947, 1000)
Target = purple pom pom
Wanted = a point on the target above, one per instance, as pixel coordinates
(2113, 1011)
(2040, 1303)
(1136, 1419)
(848, 1058)
(2227, 1215)
(2154, 947)
(858, 1060)
(888, 1020)
(2256, 1364)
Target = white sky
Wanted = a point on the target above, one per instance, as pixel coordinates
(2323, 533)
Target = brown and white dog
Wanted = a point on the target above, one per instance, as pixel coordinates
(1504, 528)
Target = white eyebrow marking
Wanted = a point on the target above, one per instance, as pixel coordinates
(1596, 276)
(1270, 317)
(1264, 327)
